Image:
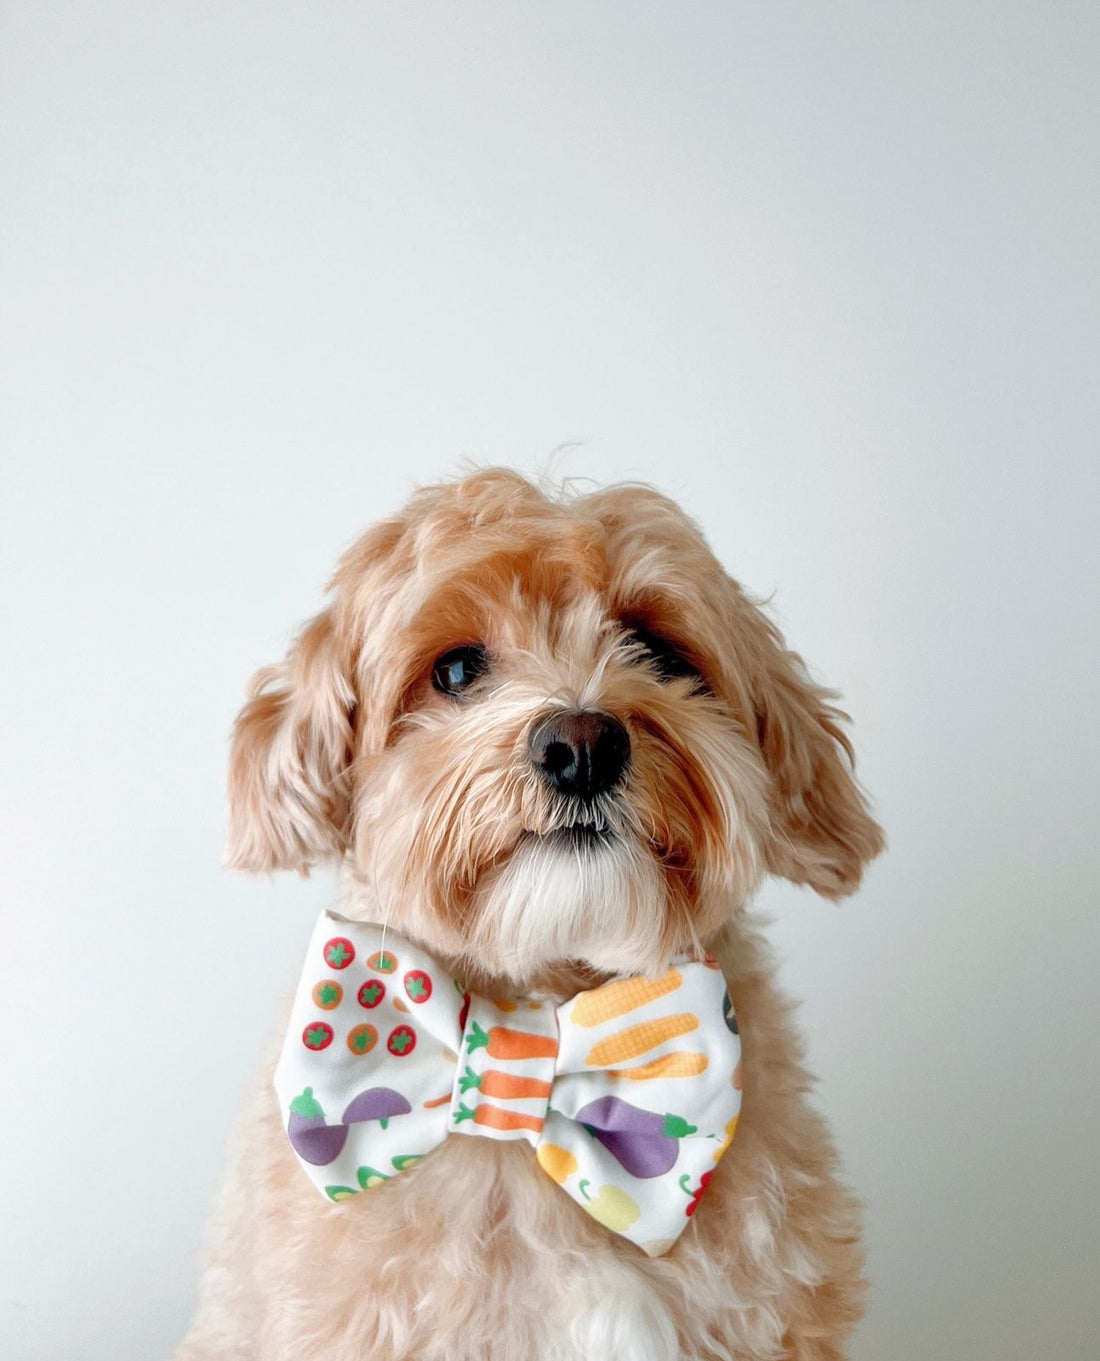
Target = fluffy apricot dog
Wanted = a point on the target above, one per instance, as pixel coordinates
(550, 741)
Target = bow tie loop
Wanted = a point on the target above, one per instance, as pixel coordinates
(629, 1093)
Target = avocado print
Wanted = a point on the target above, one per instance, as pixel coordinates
(339, 1193)
(311, 1138)
(645, 1143)
(370, 1176)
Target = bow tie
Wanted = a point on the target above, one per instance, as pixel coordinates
(629, 1093)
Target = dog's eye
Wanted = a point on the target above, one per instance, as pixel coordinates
(665, 657)
(457, 669)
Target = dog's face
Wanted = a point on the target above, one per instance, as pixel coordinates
(545, 731)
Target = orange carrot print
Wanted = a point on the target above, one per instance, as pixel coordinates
(616, 999)
(503, 1043)
(636, 1039)
(503, 1086)
(495, 1118)
(437, 1101)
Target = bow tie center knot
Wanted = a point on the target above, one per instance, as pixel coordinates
(505, 1069)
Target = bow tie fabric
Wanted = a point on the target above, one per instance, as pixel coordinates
(629, 1093)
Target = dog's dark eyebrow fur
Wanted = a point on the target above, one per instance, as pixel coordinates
(670, 658)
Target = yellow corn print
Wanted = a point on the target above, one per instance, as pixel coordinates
(616, 999)
(637, 1039)
(670, 1065)
(731, 1130)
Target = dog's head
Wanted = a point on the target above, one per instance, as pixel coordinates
(545, 730)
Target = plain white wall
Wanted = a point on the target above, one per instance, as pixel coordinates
(828, 273)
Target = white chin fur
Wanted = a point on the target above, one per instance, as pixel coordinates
(601, 902)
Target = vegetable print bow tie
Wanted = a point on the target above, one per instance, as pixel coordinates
(629, 1093)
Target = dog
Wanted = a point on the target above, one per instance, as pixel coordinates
(552, 742)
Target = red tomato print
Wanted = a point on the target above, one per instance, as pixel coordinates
(402, 1041)
(339, 952)
(362, 1039)
(371, 993)
(698, 1193)
(382, 962)
(418, 985)
(317, 1036)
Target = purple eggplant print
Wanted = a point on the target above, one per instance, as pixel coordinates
(319, 1143)
(376, 1103)
(313, 1140)
(645, 1143)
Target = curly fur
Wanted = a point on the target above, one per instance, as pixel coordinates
(346, 751)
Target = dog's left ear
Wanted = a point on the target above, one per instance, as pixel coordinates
(292, 745)
(822, 832)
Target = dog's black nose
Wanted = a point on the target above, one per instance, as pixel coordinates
(582, 753)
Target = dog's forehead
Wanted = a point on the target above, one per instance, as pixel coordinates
(494, 556)
(506, 582)
(540, 552)
(552, 561)
(605, 543)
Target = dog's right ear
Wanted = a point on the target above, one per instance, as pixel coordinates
(292, 745)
